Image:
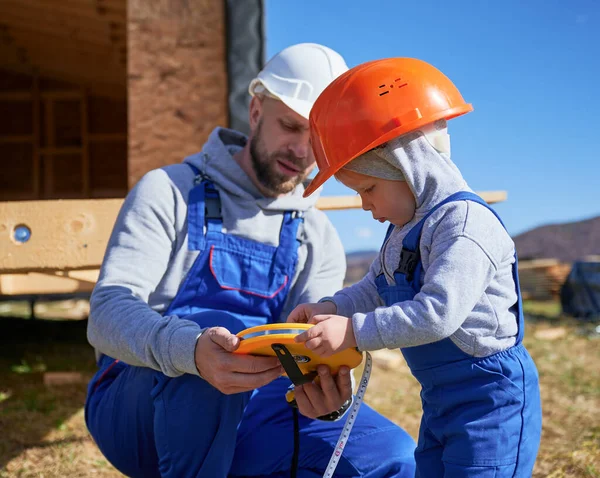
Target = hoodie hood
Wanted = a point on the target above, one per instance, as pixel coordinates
(216, 161)
(431, 175)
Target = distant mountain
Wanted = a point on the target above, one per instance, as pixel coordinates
(566, 242)
(358, 264)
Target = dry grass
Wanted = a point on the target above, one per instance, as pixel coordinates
(44, 435)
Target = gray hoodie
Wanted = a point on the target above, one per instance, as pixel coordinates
(147, 257)
(468, 292)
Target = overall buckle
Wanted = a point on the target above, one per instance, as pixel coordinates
(408, 263)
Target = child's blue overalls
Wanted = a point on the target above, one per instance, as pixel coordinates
(481, 416)
(144, 422)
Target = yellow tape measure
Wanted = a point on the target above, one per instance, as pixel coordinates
(259, 340)
(277, 340)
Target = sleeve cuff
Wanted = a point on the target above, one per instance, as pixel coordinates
(366, 332)
(344, 305)
(183, 345)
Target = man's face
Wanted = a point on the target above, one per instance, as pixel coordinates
(279, 146)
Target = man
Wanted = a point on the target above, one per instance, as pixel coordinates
(200, 251)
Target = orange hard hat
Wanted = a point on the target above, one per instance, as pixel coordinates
(373, 103)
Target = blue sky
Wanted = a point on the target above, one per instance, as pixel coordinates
(530, 69)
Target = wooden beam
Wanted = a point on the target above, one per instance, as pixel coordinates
(333, 203)
(85, 275)
(72, 234)
(538, 264)
(41, 283)
(65, 234)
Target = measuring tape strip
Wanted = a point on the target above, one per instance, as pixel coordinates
(350, 419)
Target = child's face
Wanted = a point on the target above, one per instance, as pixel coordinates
(387, 200)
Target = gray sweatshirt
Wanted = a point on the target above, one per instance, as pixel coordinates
(147, 257)
(468, 292)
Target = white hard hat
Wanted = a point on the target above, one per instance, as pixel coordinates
(298, 74)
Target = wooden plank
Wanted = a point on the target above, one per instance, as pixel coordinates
(332, 203)
(65, 234)
(86, 275)
(39, 283)
(54, 379)
(537, 263)
(72, 234)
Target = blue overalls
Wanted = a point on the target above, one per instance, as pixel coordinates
(150, 425)
(481, 416)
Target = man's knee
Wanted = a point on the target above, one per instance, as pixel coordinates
(386, 451)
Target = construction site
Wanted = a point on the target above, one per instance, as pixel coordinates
(93, 95)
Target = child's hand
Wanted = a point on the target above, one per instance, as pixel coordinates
(331, 334)
(304, 312)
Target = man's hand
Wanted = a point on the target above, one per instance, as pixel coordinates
(228, 372)
(329, 335)
(304, 312)
(328, 395)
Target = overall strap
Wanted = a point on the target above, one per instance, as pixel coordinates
(289, 238)
(410, 255)
(204, 210)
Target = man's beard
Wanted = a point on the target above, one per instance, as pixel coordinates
(266, 169)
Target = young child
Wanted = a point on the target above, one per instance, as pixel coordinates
(444, 287)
